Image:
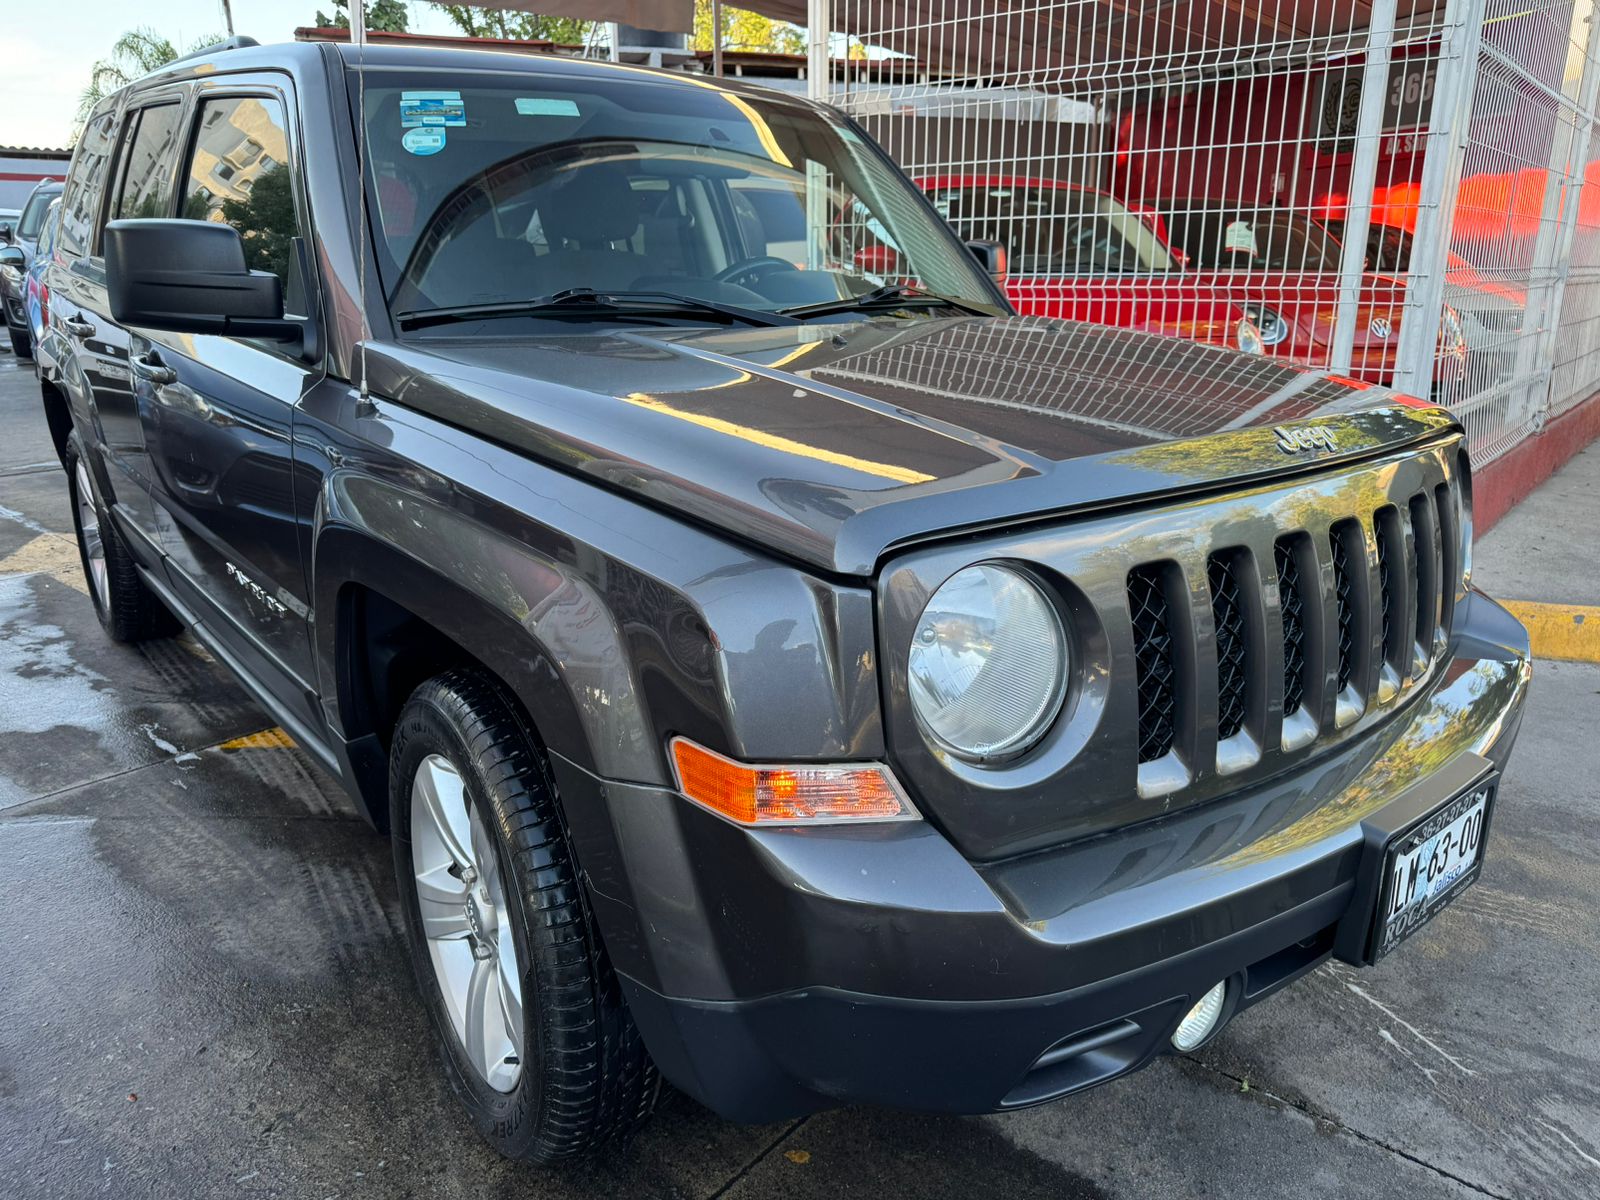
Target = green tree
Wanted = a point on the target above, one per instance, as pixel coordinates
(498, 23)
(266, 222)
(137, 52)
(383, 16)
(744, 30)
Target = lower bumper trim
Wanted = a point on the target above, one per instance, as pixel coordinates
(797, 1052)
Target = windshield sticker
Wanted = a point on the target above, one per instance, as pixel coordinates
(424, 140)
(1240, 238)
(432, 108)
(546, 106)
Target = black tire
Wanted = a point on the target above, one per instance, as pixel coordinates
(587, 1080)
(128, 610)
(21, 343)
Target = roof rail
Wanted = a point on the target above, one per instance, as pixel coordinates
(238, 42)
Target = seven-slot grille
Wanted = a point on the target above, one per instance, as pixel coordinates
(1360, 611)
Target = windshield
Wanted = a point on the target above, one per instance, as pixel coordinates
(1250, 239)
(33, 214)
(508, 188)
(1054, 231)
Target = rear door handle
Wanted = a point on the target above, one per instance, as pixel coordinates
(148, 366)
(78, 329)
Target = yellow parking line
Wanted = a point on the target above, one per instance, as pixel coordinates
(264, 739)
(1564, 631)
(54, 554)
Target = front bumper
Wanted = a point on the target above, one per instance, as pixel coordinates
(776, 972)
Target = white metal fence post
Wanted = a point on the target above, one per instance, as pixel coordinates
(819, 32)
(1454, 83)
(1363, 178)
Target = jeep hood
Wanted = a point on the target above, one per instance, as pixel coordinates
(831, 444)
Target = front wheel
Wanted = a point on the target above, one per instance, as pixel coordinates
(536, 1038)
(21, 343)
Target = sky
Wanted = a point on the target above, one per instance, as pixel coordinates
(49, 48)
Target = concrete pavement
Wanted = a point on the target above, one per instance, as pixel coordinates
(204, 992)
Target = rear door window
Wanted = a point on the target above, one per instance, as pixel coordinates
(81, 202)
(148, 164)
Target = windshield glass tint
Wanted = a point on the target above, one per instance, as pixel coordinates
(506, 188)
(33, 214)
(1054, 231)
(1232, 239)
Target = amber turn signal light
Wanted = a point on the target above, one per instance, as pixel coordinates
(801, 794)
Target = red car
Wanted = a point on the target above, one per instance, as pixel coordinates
(1288, 266)
(1080, 254)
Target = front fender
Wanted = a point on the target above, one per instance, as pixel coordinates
(534, 622)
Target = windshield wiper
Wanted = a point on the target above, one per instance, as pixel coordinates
(890, 295)
(591, 302)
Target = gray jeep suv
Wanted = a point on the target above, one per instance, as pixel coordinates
(778, 669)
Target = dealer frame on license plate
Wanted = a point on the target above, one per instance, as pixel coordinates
(1426, 867)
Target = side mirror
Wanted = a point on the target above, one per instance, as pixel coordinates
(878, 259)
(190, 277)
(7, 234)
(992, 257)
(12, 256)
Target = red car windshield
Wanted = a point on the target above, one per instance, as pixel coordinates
(1054, 231)
(1250, 239)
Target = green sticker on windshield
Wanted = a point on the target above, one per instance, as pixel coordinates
(546, 106)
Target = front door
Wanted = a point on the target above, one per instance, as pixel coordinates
(218, 412)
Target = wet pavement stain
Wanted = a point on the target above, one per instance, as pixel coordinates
(76, 707)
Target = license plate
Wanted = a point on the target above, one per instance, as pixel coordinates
(1431, 865)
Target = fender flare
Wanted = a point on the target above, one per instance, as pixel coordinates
(534, 623)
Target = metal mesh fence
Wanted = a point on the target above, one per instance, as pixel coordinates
(1403, 193)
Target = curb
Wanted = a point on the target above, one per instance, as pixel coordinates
(1568, 632)
(1501, 485)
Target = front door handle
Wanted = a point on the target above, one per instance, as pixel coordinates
(78, 329)
(148, 366)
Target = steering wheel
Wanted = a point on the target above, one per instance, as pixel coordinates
(748, 270)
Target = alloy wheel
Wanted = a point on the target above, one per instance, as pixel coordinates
(465, 920)
(94, 549)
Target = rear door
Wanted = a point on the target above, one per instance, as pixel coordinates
(218, 411)
(141, 185)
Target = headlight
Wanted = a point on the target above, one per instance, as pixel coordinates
(1269, 322)
(11, 275)
(988, 664)
(1250, 337)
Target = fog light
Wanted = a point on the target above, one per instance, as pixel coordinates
(1199, 1021)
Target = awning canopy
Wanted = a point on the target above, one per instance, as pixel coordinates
(1058, 46)
(669, 16)
(1063, 45)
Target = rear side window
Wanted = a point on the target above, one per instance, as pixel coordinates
(147, 165)
(80, 203)
(238, 172)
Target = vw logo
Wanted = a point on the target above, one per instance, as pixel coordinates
(1380, 327)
